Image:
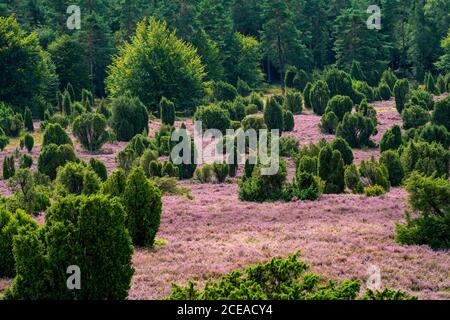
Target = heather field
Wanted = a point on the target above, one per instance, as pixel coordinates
(225, 150)
(340, 236)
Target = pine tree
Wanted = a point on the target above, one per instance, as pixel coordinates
(281, 39)
(354, 41)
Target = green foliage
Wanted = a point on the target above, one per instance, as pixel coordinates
(260, 188)
(28, 142)
(167, 110)
(10, 226)
(389, 78)
(66, 104)
(425, 158)
(300, 80)
(71, 236)
(433, 133)
(374, 173)
(305, 186)
(243, 88)
(87, 100)
(384, 91)
(422, 98)
(340, 105)
(441, 86)
(356, 129)
(156, 64)
(90, 130)
(9, 168)
(428, 196)
(30, 191)
(99, 168)
(365, 89)
(213, 117)
(401, 94)
(224, 91)
(374, 191)
(26, 161)
(256, 100)
(28, 75)
(221, 171)
(289, 146)
(4, 140)
(441, 113)
(279, 279)
(356, 71)
(255, 122)
(414, 117)
(391, 160)
(28, 120)
(319, 97)
(352, 179)
(68, 54)
(308, 164)
(331, 170)
(368, 111)
(288, 121)
(188, 157)
(294, 101)
(53, 156)
(339, 82)
(343, 147)
(55, 134)
(430, 84)
(289, 75)
(251, 109)
(329, 123)
(142, 200)
(273, 115)
(307, 95)
(392, 139)
(114, 186)
(129, 117)
(204, 173)
(11, 123)
(77, 179)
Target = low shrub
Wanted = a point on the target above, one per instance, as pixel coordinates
(352, 179)
(289, 146)
(142, 201)
(343, 147)
(221, 171)
(213, 117)
(294, 101)
(167, 111)
(331, 170)
(55, 134)
(414, 117)
(99, 168)
(11, 224)
(391, 160)
(425, 158)
(273, 115)
(288, 121)
(374, 191)
(204, 174)
(53, 156)
(429, 197)
(441, 113)
(9, 167)
(374, 173)
(401, 93)
(279, 279)
(422, 98)
(319, 97)
(260, 188)
(340, 105)
(392, 139)
(356, 130)
(90, 130)
(384, 91)
(329, 123)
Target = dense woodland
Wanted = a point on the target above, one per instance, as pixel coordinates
(138, 72)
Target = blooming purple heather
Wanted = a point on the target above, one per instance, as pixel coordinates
(340, 236)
